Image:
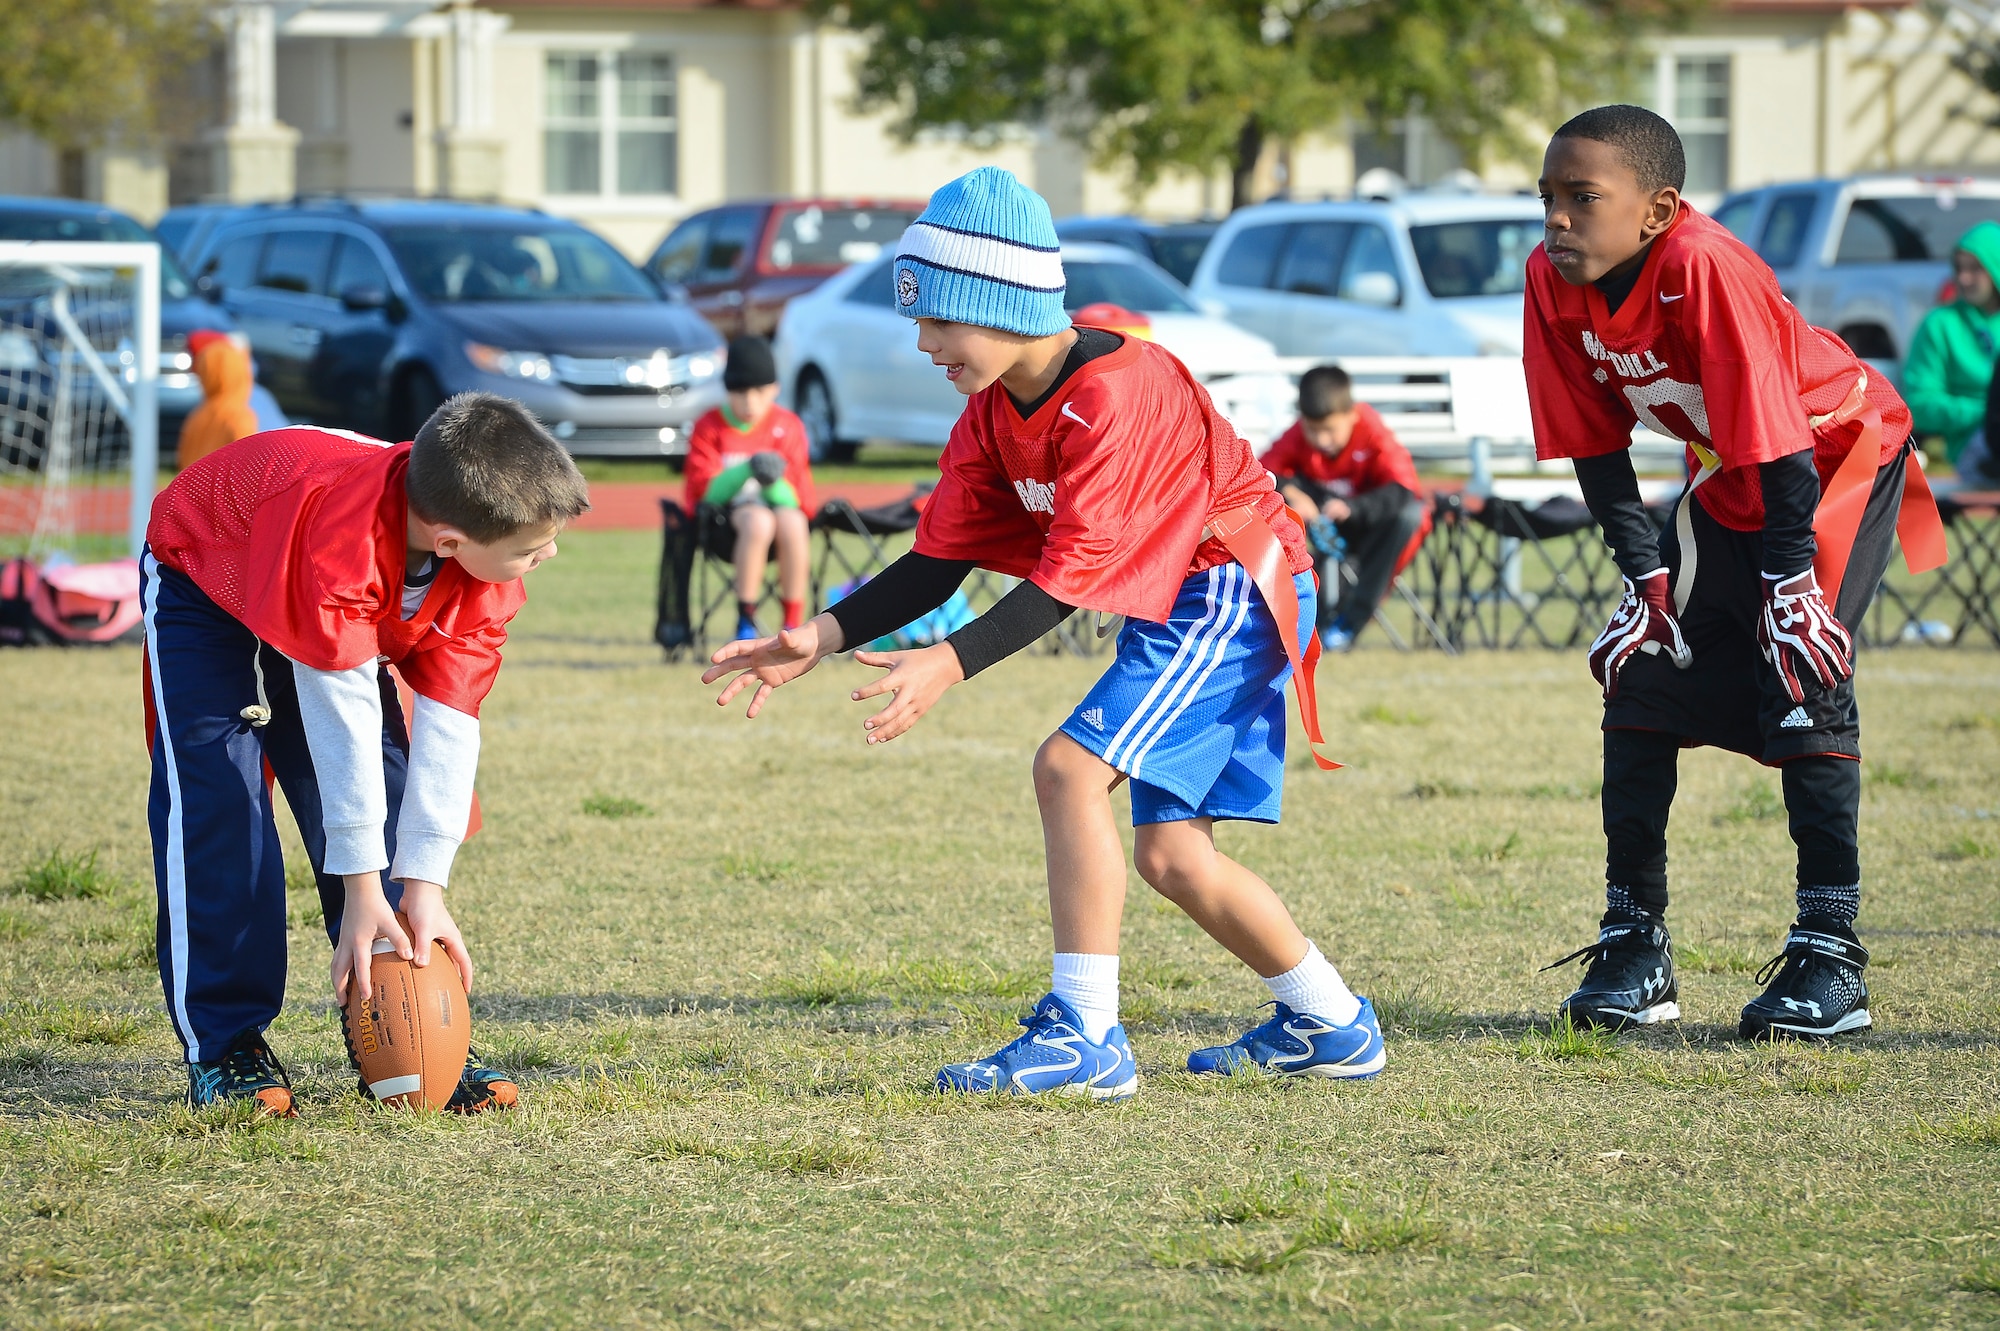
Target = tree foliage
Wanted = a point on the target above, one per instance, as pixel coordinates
(1194, 84)
(77, 72)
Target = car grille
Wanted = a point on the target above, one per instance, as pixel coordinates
(622, 441)
(607, 376)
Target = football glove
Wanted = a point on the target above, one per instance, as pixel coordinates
(1800, 635)
(1643, 621)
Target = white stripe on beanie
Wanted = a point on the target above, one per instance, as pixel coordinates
(983, 256)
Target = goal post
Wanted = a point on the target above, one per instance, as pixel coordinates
(79, 392)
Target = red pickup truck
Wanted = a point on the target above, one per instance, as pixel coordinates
(741, 262)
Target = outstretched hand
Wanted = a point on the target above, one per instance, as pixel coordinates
(917, 678)
(769, 662)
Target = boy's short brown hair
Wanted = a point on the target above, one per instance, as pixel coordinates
(1325, 390)
(483, 464)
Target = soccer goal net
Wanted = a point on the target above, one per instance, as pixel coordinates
(79, 388)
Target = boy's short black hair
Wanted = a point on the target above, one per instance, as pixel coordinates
(483, 464)
(1323, 391)
(1643, 138)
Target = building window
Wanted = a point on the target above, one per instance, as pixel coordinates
(608, 123)
(1701, 114)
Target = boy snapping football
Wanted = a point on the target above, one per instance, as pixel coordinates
(1093, 466)
(280, 574)
(1734, 628)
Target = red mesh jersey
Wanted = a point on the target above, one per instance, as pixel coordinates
(714, 445)
(302, 535)
(1705, 349)
(1101, 496)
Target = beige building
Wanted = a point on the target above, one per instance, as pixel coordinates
(628, 114)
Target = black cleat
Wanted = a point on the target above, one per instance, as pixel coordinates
(1814, 990)
(1629, 979)
(248, 1072)
(481, 1088)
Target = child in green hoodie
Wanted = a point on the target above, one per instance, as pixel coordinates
(1951, 357)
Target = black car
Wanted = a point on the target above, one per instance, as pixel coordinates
(366, 315)
(1174, 246)
(182, 311)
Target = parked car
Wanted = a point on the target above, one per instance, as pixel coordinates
(188, 227)
(1174, 246)
(1867, 256)
(849, 365)
(182, 311)
(742, 262)
(367, 315)
(1419, 275)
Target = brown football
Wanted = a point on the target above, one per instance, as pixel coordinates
(409, 1037)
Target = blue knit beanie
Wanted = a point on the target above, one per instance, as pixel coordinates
(984, 252)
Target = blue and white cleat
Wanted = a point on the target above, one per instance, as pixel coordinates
(1053, 1057)
(1298, 1044)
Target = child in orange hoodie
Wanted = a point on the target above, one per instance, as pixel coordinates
(225, 414)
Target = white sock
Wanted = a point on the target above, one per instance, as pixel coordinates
(1315, 986)
(1088, 982)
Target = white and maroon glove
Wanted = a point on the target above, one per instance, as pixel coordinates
(1643, 621)
(1797, 629)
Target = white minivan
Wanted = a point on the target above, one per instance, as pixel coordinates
(1420, 275)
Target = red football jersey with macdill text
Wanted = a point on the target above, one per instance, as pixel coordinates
(1101, 497)
(301, 535)
(1705, 349)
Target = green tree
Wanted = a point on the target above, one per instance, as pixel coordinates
(1194, 84)
(78, 72)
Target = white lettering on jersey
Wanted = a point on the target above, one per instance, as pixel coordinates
(1037, 497)
(1629, 364)
(1644, 397)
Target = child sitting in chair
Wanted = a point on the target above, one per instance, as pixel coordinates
(747, 458)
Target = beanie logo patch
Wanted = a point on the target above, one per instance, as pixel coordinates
(906, 286)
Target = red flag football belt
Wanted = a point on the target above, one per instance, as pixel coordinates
(1918, 525)
(1251, 542)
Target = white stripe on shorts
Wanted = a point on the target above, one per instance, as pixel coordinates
(1220, 642)
(1040, 270)
(177, 920)
(1165, 676)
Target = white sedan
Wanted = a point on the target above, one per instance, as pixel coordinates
(848, 361)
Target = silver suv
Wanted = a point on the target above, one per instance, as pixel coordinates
(1866, 257)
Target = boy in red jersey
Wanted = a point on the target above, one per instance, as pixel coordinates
(1094, 467)
(1738, 633)
(1340, 463)
(751, 423)
(278, 574)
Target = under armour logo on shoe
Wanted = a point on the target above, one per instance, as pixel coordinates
(1796, 719)
(1801, 1005)
(1037, 497)
(1094, 717)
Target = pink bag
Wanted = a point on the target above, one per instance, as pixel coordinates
(69, 604)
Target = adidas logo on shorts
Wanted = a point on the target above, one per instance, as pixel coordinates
(1796, 719)
(1094, 717)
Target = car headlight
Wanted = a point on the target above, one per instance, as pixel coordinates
(532, 365)
(697, 367)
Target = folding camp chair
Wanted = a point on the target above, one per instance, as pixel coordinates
(698, 578)
(1511, 574)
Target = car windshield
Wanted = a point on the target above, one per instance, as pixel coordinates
(1911, 227)
(1179, 249)
(1484, 258)
(103, 226)
(817, 237)
(1132, 285)
(450, 263)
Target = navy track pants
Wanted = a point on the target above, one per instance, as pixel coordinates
(216, 859)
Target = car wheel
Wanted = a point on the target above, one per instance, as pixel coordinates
(418, 396)
(823, 440)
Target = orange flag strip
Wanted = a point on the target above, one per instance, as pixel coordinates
(1254, 545)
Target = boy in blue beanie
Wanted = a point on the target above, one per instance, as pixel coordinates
(1093, 466)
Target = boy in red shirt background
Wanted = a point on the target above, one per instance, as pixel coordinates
(1735, 625)
(1340, 463)
(1095, 468)
(278, 574)
(750, 422)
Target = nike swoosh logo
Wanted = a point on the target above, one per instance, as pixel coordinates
(1070, 412)
(1665, 299)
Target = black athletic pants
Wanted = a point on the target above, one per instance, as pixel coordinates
(1730, 697)
(1381, 524)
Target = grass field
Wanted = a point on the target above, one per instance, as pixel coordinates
(726, 958)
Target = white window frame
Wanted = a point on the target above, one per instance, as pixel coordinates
(1666, 97)
(608, 122)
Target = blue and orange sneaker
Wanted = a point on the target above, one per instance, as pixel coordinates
(1053, 1057)
(481, 1088)
(1298, 1044)
(248, 1072)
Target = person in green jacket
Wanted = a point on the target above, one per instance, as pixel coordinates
(1951, 357)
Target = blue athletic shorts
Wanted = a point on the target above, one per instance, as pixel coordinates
(1193, 710)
